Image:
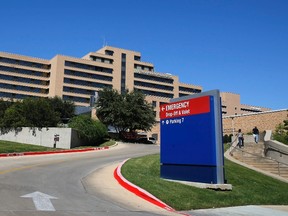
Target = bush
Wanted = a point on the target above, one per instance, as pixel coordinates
(93, 132)
(227, 138)
(281, 133)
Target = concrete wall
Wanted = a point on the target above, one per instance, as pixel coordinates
(275, 150)
(68, 137)
(267, 120)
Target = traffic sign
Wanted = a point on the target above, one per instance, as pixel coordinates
(191, 138)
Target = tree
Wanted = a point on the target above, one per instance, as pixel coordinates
(93, 132)
(34, 113)
(39, 113)
(3, 106)
(65, 109)
(13, 118)
(110, 108)
(139, 113)
(281, 132)
(127, 111)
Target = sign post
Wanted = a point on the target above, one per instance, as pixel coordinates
(191, 139)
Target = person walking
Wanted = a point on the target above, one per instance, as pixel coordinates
(240, 139)
(255, 132)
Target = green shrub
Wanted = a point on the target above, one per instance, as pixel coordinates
(281, 133)
(227, 138)
(93, 132)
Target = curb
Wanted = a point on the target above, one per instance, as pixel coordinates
(55, 152)
(141, 192)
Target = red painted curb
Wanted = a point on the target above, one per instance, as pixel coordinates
(141, 192)
(52, 152)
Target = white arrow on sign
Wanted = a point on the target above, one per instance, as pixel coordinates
(41, 201)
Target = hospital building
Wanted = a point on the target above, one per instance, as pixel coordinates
(77, 79)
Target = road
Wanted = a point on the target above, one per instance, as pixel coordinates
(56, 184)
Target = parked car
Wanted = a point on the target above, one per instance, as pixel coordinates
(150, 140)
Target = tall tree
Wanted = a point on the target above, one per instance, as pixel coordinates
(127, 111)
(13, 118)
(92, 132)
(34, 113)
(39, 112)
(4, 104)
(65, 109)
(140, 113)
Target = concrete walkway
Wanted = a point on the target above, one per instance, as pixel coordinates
(103, 182)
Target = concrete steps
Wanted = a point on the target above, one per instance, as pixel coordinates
(252, 154)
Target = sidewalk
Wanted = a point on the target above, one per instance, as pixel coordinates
(103, 182)
(14, 154)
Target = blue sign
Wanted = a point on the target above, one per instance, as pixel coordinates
(191, 139)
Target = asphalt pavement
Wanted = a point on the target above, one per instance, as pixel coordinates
(62, 176)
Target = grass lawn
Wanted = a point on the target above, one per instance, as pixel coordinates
(11, 147)
(249, 187)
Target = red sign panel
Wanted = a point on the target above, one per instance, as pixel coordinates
(185, 108)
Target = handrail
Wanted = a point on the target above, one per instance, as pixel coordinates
(232, 147)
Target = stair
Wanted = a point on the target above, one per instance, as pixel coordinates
(252, 154)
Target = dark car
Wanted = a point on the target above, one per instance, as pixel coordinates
(145, 141)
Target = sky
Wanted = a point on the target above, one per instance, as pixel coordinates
(237, 46)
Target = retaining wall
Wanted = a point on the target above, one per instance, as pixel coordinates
(274, 149)
(263, 120)
(68, 138)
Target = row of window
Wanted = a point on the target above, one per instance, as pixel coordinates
(78, 90)
(250, 110)
(86, 83)
(191, 90)
(24, 88)
(25, 63)
(137, 58)
(143, 67)
(24, 80)
(14, 96)
(154, 93)
(100, 59)
(154, 103)
(109, 52)
(23, 71)
(182, 95)
(153, 78)
(88, 75)
(152, 85)
(88, 67)
(76, 99)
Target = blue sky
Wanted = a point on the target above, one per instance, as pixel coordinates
(238, 46)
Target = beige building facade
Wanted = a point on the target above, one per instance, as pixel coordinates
(77, 79)
(231, 105)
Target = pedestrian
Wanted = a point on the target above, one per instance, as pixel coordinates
(255, 132)
(240, 139)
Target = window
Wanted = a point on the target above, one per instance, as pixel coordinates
(137, 58)
(123, 73)
(109, 52)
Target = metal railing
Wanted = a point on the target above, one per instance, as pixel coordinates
(233, 147)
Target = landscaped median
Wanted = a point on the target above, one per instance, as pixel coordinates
(249, 187)
(10, 149)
